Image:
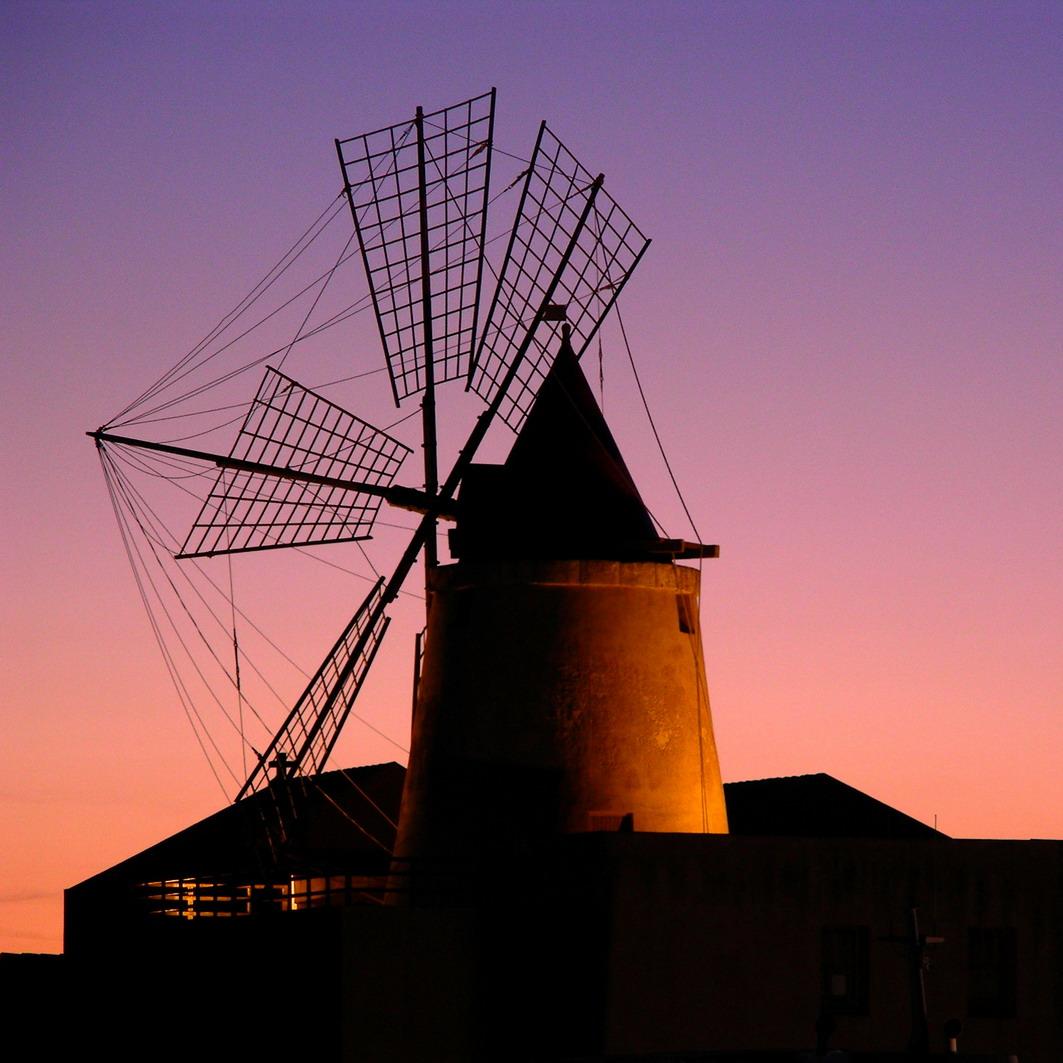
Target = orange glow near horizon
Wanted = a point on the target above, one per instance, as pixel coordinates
(848, 328)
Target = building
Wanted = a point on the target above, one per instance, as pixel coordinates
(565, 877)
(817, 911)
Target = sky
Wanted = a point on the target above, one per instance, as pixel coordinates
(848, 328)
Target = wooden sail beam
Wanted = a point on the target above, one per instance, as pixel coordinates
(479, 431)
(396, 495)
(428, 400)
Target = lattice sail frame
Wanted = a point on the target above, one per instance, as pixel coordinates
(381, 172)
(607, 250)
(292, 427)
(310, 731)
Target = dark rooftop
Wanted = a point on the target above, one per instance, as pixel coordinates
(342, 818)
(815, 806)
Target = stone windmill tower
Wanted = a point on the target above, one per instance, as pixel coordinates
(563, 682)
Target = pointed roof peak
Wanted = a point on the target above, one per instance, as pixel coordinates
(564, 492)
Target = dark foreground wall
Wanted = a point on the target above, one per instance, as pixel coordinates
(739, 942)
(613, 944)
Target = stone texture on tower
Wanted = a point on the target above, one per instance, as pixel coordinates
(563, 682)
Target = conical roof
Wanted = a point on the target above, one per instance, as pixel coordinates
(563, 492)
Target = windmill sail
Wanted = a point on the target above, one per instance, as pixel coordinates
(428, 180)
(305, 739)
(607, 248)
(291, 427)
(303, 471)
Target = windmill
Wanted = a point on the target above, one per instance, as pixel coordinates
(304, 471)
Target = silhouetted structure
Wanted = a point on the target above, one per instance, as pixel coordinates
(544, 906)
(589, 944)
(815, 806)
(563, 683)
(558, 881)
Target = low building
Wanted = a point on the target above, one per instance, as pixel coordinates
(824, 916)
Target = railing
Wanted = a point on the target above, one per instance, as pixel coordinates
(219, 897)
(422, 883)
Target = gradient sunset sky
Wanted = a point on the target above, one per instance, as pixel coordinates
(848, 327)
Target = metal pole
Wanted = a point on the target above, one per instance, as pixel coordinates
(428, 402)
(402, 497)
(919, 1044)
(483, 422)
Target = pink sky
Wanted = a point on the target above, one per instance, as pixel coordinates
(848, 327)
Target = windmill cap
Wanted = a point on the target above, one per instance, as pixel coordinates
(564, 492)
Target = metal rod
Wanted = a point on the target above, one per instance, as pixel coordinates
(428, 400)
(418, 654)
(483, 422)
(403, 497)
(919, 1042)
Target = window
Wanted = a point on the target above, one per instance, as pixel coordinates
(991, 972)
(687, 606)
(845, 970)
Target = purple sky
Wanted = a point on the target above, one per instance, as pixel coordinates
(848, 325)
